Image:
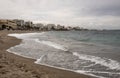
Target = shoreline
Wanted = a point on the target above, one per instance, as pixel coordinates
(21, 67)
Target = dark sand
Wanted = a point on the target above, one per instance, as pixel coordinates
(14, 66)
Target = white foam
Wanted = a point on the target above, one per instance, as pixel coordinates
(49, 43)
(38, 62)
(17, 53)
(110, 73)
(52, 44)
(82, 71)
(77, 71)
(98, 60)
(90, 65)
(111, 64)
(24, 35)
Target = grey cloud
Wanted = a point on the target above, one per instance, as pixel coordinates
(69, 12)
(107, 10)
(97, 7)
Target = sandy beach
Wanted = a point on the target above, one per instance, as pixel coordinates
(14, 66)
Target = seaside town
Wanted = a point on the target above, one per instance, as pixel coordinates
(59, 38)
(17, 24)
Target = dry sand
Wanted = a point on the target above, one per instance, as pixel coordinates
(14, 66)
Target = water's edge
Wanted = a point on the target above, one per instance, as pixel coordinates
(36, 62)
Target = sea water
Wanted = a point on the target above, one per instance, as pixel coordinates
(95, 53)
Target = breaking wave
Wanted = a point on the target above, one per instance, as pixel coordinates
(92, 60)
(111, 64)
(52, 44)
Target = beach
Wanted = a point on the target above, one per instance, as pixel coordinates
(14, 66)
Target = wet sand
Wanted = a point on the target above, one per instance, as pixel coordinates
(14, 66)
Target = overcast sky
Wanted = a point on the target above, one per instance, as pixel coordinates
(100, 14)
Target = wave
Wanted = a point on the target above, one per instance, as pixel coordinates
(98, 72)
(25, 35)
(101, 72)
(76, 71)
(10, 51)
(49, 43)
(52, 44)
(111, 64)
(89, 73)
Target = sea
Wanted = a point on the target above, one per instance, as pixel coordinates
(95, 53)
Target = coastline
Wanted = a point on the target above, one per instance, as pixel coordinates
(14, 66)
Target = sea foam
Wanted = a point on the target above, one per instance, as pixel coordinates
(25, 35)
(111, 64)
(52, 44)
(48, 43)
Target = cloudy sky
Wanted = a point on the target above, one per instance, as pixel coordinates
(100, 14)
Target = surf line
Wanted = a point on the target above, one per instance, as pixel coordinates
(52, 44)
